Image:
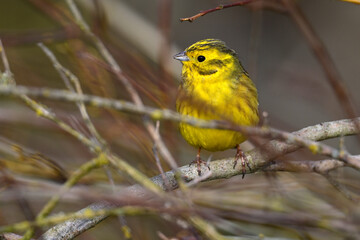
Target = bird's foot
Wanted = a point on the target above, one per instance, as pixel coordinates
(198, 162)
(240, 155)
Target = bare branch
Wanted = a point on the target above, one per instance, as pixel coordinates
(220, 7)
(322, 166)
(315, 147)
(323, 56)
(124, 80)
(224, 169)
(66, 75)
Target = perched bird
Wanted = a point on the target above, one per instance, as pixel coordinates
(215, 86)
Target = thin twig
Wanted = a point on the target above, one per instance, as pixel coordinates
(103, 50)
(4, 58)
(160, 145)
(199, 179)
(40, 109)
(72, 180)
(315, 147)
(121, 76)
(96, 101)
(206, 228)
(323, 56)
(341, 188)
(66, 76)
(6, 78)
(156, 155)
(46, 113)
(117, 162)
(320, 166)
(220, 7)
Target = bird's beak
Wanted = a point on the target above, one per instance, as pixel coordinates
(181, 57)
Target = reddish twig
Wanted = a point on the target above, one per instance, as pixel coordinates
(202, 13)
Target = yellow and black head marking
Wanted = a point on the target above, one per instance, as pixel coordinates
(208, 57)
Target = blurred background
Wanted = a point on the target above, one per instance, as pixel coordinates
(143, 36)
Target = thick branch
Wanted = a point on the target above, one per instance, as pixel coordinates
(224, 169)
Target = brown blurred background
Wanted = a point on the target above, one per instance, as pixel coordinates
(143, 36)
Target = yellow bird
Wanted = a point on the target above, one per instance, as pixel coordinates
(215, 86)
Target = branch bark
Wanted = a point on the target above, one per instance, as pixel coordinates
(220, 169)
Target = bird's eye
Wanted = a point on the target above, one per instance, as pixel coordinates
(201, 58)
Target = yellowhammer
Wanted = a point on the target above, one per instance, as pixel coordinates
(215, 86)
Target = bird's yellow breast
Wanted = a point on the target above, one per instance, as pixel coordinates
(215, 100)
